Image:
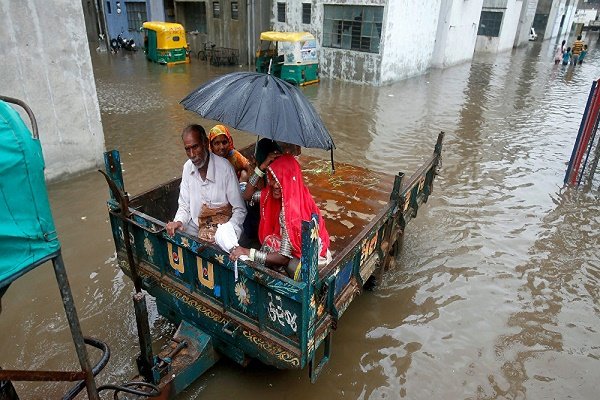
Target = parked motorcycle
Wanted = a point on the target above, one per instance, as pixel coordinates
(122, 43)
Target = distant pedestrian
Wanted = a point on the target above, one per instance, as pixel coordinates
(583, 54)
(558, 53)
(566, 56)
(577, 48)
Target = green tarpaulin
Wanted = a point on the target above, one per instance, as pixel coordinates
(27, 233)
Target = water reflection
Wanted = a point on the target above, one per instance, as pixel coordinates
(558, 310)
(496, 295)
(347, 111)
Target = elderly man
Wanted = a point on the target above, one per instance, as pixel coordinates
(208, 181)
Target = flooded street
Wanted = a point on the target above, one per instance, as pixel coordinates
(497, 292)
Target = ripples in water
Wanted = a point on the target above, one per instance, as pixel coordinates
(496, 291)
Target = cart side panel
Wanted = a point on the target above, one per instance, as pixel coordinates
(256, 298)
(232, 337)
(343, 277)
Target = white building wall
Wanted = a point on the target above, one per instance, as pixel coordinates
(508, 30)
(570, 16)
(585, 16)
(347, 65)
(525, 22)
(456, 32)
(55, 78)
(408, 38)
(510, 24)
(568, 8)
(157, 10)
(294, 16)
(553, 26)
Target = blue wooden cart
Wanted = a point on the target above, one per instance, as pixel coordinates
(262, 315)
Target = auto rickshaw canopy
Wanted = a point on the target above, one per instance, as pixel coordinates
(169, 35)
(291, 56)
(286, 36)
(27, 233)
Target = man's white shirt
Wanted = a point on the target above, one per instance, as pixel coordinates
(221, 187)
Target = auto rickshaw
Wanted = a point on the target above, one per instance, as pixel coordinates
(291, 56)
(165, 43)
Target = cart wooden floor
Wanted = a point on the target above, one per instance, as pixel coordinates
(349, 199)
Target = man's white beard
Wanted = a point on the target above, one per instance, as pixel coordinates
(206, 157)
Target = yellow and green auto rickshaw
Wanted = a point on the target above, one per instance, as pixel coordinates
(291, 56)
(164, 43)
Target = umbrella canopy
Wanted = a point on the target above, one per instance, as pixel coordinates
(261, 104)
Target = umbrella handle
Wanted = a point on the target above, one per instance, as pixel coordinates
(256, 146)
(270, 63)
(332, 164)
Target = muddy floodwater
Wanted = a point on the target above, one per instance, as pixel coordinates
(496, 293)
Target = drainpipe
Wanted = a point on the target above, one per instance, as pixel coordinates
(102, 25)
(248, 19)
(253, 34)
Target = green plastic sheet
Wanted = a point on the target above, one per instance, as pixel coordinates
(27, 233)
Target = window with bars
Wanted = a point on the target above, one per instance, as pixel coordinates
(194, 16)
(353, 27)
(306, 10)
(216, 9)
(234, 10)
(136, 15)
(281, 12)
(490, 23)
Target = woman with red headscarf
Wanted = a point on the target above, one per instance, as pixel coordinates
(284, 204)
(221, 144)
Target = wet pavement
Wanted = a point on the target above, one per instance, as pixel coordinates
(496, 295)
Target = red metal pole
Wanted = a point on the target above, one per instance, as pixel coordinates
(589, 124)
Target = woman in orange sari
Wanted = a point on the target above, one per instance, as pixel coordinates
(284, 203)
(221, 144)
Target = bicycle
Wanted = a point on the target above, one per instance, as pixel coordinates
(207, 52)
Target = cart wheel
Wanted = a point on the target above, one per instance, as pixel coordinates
(371, 283)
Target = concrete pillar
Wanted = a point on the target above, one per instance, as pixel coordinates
(456, 32)
(510, 11)
(46, 63)
(157, 10)
(416, 23)
(556, 11)
(525, 21)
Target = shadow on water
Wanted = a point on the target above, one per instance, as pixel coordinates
(496, 295)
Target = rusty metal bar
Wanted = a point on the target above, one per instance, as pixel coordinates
(69, 305)
(123, 200)
(7, 390)
(18, 102)
(78, 387)
(439, 142)
(144, 361)
(180, 346)
(20, 375)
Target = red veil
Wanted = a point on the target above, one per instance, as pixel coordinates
(298, 204)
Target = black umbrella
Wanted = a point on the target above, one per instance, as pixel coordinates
(261, 104)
